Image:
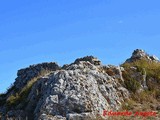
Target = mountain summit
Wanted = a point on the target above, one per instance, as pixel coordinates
(83, 89)
(139, 54)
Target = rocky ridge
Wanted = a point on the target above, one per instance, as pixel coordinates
(79, 91)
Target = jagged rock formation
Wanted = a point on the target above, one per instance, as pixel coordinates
(26, 74)
(81, 90)
(91, 59)
(139, 54)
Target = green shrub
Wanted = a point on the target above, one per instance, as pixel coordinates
(130, 83)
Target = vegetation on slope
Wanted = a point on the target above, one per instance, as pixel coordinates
(147, 99)
(152, 74)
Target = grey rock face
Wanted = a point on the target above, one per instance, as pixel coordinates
(80, 92)
(33, 71)
(154, 58)
(138, 53)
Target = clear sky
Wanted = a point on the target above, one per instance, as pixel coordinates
(35, 31)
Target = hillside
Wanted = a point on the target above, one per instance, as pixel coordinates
(85, 90)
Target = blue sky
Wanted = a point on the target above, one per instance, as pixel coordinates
(35, 31)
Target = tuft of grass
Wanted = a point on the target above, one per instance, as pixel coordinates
(12, 100)
(144, 96)
(21, 97)
(128, 105)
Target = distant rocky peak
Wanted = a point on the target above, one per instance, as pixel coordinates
(91, 59)
(139, 54)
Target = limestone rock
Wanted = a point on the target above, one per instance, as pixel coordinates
(26, 74)
(139, 54)
(77, 91)
(91, 59)
(73, 92)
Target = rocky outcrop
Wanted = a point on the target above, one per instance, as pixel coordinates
(26, 74)
(91, 59)
(139, 54)
(78, 91)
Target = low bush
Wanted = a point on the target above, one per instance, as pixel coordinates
(110, 72)
(130, 83)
